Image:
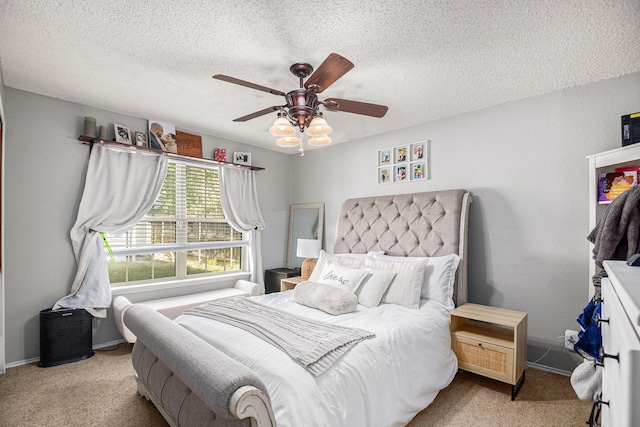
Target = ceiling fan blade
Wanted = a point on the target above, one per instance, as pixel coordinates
(258, 113)
(356, 107)
(334, 67)
(248, 84)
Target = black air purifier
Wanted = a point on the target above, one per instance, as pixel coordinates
(65, 336)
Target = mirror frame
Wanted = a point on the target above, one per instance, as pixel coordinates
(292, 209)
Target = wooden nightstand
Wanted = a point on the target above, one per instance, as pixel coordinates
(491, 341)
(289, 283)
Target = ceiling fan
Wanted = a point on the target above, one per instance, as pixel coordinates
(302, 106)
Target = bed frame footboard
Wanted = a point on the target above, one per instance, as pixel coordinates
(191, 382)
(249, 402)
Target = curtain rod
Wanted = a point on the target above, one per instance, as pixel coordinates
(178, 157)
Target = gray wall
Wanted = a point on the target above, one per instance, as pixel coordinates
(525, 164)
(523, 161)
(2, 319)
(44, 178)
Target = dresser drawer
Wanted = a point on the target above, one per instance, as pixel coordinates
(621, 373)
(493, 361)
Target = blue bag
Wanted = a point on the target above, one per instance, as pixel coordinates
(589, 339)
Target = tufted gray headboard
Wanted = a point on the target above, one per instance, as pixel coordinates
(419, 224)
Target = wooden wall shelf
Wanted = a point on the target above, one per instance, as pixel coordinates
(90, 141)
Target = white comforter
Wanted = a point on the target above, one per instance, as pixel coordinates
(384, 381)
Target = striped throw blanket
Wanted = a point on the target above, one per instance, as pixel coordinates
(313, 344)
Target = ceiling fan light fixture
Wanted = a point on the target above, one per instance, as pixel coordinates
(288, 141)
(302, 106)
(319, 141)
(318, 127)
(282, 127)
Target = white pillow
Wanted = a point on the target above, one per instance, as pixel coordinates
(405, 287)
(439, 278)
(325, 257)
(374, 285)
(325, 297)
(341, 276)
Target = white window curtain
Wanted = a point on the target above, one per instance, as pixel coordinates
(240, 205)
(120, 188)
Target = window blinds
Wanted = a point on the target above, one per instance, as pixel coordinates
(186, 215)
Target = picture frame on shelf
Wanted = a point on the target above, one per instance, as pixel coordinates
(242, 158)
(141, 139)
(122, 133)
(162, 136)
(384, 175)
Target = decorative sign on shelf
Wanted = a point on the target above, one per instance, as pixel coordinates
(189, 144)
(220, 154)
(403, 163)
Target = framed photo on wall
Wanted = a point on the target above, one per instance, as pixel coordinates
(417, 151)
(384, 175)
(141, 139)
(401, 154)
(409, 162)
(241, 158)
(384, 157)
(122, 133)
(417, 171)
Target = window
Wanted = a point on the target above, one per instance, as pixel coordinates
(184, 235)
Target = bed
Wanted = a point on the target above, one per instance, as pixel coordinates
(198, 371)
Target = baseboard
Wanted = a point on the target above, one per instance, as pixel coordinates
(109, 344)
(549, 369)
(2, 366)
(37, 359)
(552, 356)
(22, 362)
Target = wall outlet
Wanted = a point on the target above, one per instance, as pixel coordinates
(570, 338)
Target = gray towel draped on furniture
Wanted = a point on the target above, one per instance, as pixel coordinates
(617, 234)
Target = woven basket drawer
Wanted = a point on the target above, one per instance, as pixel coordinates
(491, 360)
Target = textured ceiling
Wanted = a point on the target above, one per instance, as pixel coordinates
(424, 59)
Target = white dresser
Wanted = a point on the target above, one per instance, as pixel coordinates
(620, 327)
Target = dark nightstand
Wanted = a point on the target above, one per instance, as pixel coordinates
(273, 276)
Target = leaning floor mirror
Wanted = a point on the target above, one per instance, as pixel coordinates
(305, 222)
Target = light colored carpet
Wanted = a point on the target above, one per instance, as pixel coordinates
(101, 391)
